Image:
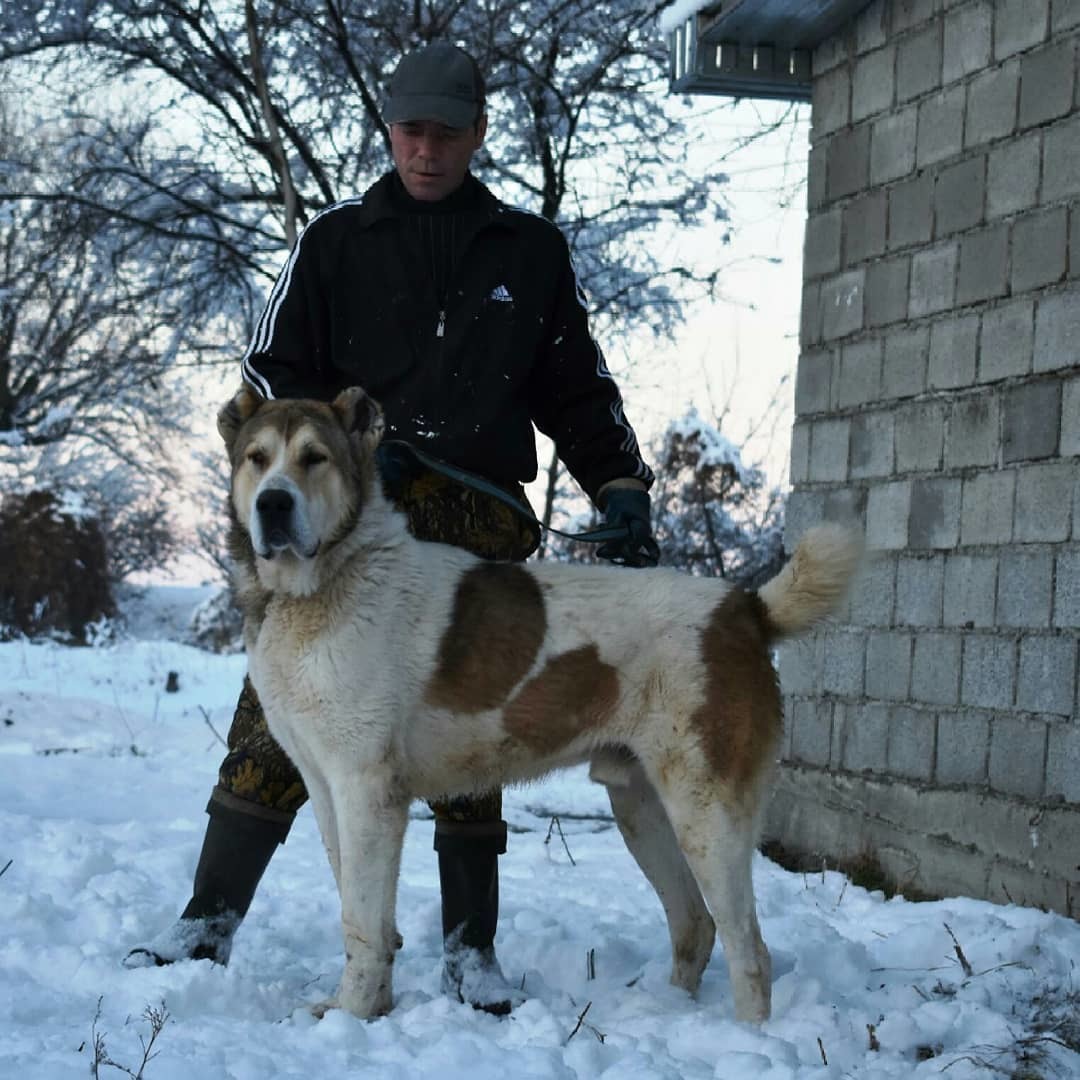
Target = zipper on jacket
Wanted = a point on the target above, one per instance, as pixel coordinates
(441, 328)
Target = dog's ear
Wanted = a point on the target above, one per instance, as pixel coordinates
(239, 408)
(359, 414)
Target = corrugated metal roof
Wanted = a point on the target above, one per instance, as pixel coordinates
(792, 24)
(754, 48)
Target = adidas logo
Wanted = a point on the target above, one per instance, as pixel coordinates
(501, 292)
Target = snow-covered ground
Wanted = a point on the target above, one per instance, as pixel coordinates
(105, 776)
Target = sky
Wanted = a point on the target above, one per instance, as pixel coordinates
(101, 818)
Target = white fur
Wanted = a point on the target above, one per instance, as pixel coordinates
(350, 640)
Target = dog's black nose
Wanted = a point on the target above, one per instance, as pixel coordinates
(274, 501)
(274, 507)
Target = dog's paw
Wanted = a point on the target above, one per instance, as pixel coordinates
(323, 1007)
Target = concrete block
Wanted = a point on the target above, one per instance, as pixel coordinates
(960, 196)
(1012, 180)
(800, 454)
(1047, 81)
(873, 592)
(908, 14)
(848, 162)
(810, 315)
(953, 352)
(816, 172)
(1070, 420)
(859, 379)
(1064, 15)
(992, 104)
(1074, 242)
(941, 126)
(892, 146)
(988, 677)
(832, 52)
(986, 511)
(804, 508)
(821, 250)
(871, 27)
(1006, 339)
(968, 40)
(887, 291)
(935, 513)
(846, 504)
(842, 671)
(1040, 250)
(1017, 756)
(1057, 331)
(862, 736)
(935, 674)
(800, 664)
(811, 730)
(888, 507)
(973, 437)
(970, 588)
(829, 450)
(1025, 587)
(842, 304)
(864, 227)
(1067, 590)
(1043, 497)
(872, 444)
(984, 265)
(933, 280)
(903, 370)
(1047, 680)
(831, 102)
(888, 665)
(1063, 762)
(1019, 25)
(1061, 161)
(873, 83)
(813, 382)
(919, 590)
(963, 747)
(1032, 414)
(911, 212)
(911, 749)
(918, 62)
(920, 436)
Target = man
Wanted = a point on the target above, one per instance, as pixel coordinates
(464, 319)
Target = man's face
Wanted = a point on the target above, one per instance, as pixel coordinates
(431, 158)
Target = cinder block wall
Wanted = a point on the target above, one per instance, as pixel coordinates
(938, 403)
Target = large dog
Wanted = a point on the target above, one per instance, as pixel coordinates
(391, 669)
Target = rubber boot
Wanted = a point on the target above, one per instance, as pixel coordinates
(469, 879)
(236, 850)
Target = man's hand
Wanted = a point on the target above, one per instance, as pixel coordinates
(630, 508)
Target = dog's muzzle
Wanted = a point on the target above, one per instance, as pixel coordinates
(275, 509)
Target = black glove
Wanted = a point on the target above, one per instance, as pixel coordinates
(629, 507)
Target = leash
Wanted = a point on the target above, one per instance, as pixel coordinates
(478, 483)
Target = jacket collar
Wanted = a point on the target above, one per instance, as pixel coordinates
(381, 203)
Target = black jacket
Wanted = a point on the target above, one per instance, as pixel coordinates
(460, 376)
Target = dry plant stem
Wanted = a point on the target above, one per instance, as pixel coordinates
(964, 964)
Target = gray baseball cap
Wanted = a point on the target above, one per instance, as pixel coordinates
(435, 82)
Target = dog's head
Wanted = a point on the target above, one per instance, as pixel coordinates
(301, 471)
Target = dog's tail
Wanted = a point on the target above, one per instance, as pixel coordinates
(814, 581)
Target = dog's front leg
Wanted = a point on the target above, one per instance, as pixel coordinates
(371, 816)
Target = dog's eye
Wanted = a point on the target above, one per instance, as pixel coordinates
(257, 458)
(312, 458)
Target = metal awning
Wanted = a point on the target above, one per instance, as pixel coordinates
(754, 48)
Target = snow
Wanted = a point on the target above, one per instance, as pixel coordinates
(101, 817)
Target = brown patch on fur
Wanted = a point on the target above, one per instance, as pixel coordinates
(739, 723)
(574, 692)
(495, 632)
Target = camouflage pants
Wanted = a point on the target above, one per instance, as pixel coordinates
(257, 776)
